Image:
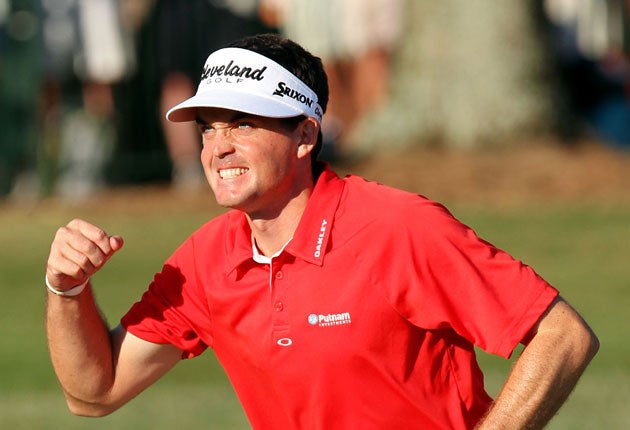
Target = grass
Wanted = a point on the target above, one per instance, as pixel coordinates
(582, 250)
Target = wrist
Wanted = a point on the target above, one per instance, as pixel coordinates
(72, 292)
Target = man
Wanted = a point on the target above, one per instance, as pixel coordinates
(331, 303)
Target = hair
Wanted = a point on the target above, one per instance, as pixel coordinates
(293, 57)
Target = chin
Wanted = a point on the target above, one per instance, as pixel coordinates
(232, 203)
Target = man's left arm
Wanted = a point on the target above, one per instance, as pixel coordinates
(557, 351)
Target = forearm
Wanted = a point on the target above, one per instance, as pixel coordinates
(99, 370)
(544, 375)
(80, 347)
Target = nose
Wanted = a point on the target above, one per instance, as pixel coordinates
(222, 144)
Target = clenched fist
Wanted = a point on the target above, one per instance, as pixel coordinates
(78, 251)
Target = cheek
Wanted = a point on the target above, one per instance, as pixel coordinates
(206, 148)
(206, 156)
(206, 162)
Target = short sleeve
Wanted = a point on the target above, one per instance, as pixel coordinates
(447, 277)
(172, 310)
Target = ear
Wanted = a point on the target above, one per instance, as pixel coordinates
(307, 135)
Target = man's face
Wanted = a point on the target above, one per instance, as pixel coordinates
(252, 163)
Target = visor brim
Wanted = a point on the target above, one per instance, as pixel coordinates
(254, 104)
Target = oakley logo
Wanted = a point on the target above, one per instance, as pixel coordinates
(233, 70)
(320, 239)
(284, 90)
(285, 341)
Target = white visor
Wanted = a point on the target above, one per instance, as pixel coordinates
(244, 81)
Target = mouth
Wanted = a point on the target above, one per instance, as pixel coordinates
(232, 172)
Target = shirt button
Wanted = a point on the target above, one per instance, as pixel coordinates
(278, 306)
(279, 275)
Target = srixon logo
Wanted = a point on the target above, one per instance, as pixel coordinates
(231, 73)
(284, 90)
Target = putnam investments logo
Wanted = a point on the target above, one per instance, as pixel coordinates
(329, 319)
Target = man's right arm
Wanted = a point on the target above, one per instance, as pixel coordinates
(99, 370)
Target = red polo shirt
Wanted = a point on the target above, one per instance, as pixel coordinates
(367, 319)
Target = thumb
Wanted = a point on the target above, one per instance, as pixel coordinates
(116, 242)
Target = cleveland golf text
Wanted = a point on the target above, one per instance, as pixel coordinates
(233, 70)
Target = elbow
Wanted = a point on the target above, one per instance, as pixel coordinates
(584, 345)
(592, 344)
(567, 331)
(89, 409)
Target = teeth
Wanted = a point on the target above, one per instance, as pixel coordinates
(232, 173)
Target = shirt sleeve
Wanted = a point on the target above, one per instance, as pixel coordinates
(172, 310)
(450, 278)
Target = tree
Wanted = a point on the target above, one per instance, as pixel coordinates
(466, 74)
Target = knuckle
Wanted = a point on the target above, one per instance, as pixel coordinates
(74, 223)
(62, 232)
(100, 235)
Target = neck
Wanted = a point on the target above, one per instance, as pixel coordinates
(273, 231)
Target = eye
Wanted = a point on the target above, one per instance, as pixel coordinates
(204, 128)
(243, 127)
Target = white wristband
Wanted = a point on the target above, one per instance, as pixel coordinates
(74, 291)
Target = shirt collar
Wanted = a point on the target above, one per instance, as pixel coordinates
(311, 238)
(238, 244)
